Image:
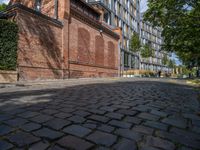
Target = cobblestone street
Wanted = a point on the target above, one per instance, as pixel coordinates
(121, 114)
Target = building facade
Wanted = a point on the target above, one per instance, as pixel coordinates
(152, 36)
(126, 15)
(61, 39)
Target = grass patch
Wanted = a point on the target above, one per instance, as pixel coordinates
(194, 82)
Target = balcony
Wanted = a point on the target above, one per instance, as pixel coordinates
(103, 3)
(87, 10)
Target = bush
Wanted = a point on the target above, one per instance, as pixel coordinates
(3, 7)
(8, 45)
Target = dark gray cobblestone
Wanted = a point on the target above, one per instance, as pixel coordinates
(176, 121)
(133, 120)
(148, 116)
(115, 115)
(5, 129)
(126, 133)
(102, 138)
(77, 130)
(156, 125)
(121, 114)
(22, 139)
(99, 118)
(48, 133)
(30, 126)
(57, 124)
(40, 146)
(71, 142)
(16, 122)
(119, 124)
(143, 129)
(106, 128)
(125, 144)
(5, 145)
(159, 143)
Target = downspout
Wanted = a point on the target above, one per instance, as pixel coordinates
(68, 22)
(56, 9)
(119, 58)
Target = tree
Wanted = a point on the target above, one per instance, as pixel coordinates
(3, 7)
(165, 60)
(171, 63)
(135, 44)
(146, 51)
(180, 20)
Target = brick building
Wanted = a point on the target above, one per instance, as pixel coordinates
(126, 15)
(61, 39)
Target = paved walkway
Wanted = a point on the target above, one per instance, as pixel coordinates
(122, 114)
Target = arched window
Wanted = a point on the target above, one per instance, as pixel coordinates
(38, 4)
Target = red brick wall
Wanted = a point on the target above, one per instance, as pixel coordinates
(39, 48)
(47, 50)
(28, 3)
(90, 52)
(47, 7)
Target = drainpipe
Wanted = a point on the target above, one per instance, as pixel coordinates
(56, 9)
(119, 58)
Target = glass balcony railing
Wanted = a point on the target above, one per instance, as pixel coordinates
(105, 3)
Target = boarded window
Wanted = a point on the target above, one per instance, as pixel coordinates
(99, 51)
(111, 54)
(84, 54)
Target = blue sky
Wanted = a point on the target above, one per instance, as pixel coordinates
(143, 5)
(4, 1)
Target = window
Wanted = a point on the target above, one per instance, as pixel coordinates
(133, 62)
(126, 60)
(38, 5)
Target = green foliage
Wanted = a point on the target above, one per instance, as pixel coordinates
(189, 59)
(180, 20)
(171, 63)
(187, 71)
(165, 60)
(147, 51)
(135, 42)
(3, 7)
(8, 45)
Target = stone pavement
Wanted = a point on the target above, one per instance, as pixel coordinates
(121, 114)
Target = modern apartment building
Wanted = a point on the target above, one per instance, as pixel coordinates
(126, 15)
(152, 36)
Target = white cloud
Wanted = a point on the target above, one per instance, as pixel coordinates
(4, 1)
(143, 5)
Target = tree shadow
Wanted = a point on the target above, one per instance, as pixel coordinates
(41, 45)
(171, 94)
(53, 100)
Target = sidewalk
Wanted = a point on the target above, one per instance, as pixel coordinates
(55, 82)
(80, 81)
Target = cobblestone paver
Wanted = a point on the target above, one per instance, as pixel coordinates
(121, 114)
